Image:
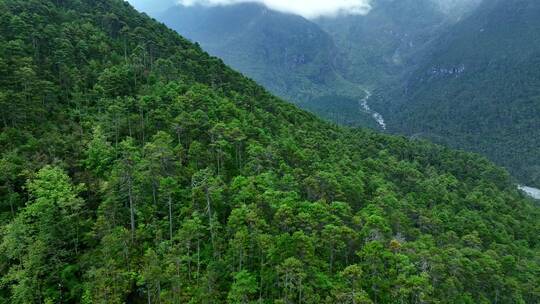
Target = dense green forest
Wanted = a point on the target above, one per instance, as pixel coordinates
(442, 70)
(478, 88)
(382, 46)
(135, 168)
(319, 64)
(290, 56)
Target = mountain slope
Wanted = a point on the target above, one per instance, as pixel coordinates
(380, 46)
(138, 169)
(291, 56)
(385, 45)
(478, 89)
(288, 54)
(322, 65)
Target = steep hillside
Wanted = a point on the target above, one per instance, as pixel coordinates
(380, 46)
(289, 55)
(138, 169)
(388, 43)
(479, 88)
(322, 65)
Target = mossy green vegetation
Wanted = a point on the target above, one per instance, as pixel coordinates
(479, 88)
(135, 168)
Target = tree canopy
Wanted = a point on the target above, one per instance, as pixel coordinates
(135, 168)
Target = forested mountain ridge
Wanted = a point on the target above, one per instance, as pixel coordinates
(463, 79)
(478, 88)
(322, 64)
(383, 45)
(135, 168)
(289, 55)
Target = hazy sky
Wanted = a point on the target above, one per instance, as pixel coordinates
(306, 8)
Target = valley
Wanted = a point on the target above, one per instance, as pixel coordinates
(136, 167)
(422, 55)
(364, 104)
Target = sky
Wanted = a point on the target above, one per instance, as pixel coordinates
(307, 8)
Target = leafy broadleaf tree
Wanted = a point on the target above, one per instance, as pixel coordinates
(44, 239)
(243, 288)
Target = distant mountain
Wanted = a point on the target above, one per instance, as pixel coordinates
(479, 88)
(319, 64)
(290, 55)
(387, 43)
(461, 72)
(380, 46)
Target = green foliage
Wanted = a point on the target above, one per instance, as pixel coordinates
(478, 89)
(319, 64)
(200, 187)
(42, 243)
(289, 55)
(244, 287)
(384, 45)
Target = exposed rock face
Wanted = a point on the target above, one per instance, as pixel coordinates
(437, 71)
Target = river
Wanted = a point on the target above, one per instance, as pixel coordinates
(530, 191)
(365, 107)
(364, 104)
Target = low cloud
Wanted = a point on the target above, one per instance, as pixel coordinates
(457, 7)
(307, 8)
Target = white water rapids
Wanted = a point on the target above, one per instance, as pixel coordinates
(530, 191)
(366, 108)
